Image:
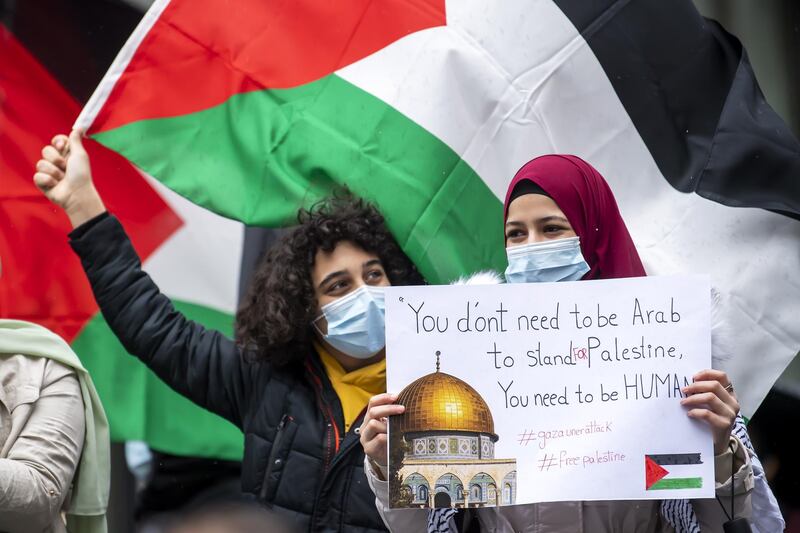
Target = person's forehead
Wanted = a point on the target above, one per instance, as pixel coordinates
(344, 250)
(346, 257)
(532, 205)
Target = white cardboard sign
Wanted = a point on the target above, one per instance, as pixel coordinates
(581, 382)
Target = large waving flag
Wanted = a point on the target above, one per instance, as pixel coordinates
(42, 280)
(428, 107)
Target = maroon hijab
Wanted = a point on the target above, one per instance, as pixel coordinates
(587, 201)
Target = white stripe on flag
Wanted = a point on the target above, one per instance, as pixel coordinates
(504, 83)
(200, 263)
(679, 471)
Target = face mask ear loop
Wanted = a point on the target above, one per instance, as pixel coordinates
(314, 324)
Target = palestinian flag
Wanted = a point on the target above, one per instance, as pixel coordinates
(254, 108)
(679, 476)
(42, 280)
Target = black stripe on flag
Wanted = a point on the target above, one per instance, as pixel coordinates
(690, 90)
(676, 459)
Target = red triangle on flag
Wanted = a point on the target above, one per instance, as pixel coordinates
(42, 280)
(653, 472)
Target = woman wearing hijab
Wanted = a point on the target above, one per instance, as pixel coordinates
(562, 224)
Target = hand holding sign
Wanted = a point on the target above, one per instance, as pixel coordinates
(711, 398)
(373, 429)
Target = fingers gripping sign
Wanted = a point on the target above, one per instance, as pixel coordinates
(373, 431)
(711, 398)
(64, 175)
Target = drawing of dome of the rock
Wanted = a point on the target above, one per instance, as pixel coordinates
(441, 402)
(450, 443)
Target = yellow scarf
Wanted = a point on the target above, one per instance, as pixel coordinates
(355, 388)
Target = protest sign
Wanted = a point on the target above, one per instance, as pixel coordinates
(524, 393)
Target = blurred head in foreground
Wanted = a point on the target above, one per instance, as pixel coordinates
(231, 518)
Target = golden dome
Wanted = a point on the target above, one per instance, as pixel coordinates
(441, 402)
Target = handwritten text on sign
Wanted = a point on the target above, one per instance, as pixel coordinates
(583, 382)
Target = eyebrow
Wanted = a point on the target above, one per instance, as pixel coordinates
(553, 218)
(543, 220)
(333, 275)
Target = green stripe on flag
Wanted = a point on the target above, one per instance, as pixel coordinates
(141, 407)
(261, 155)
(677, 483)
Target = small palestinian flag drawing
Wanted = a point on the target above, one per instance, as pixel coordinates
(659, 478)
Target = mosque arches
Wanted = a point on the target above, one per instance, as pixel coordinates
(491, 495)
(418, 487)
(510, 488)
(479, 487)
(451, 485)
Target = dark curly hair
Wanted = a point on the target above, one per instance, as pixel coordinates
(274, 319)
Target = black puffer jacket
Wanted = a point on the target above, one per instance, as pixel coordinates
(297, 458)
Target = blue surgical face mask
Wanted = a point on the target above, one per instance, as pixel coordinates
(558, 260)
(355, 324)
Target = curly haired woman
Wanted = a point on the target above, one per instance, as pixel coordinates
(309, 351)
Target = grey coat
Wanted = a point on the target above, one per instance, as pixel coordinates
(42, 428)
